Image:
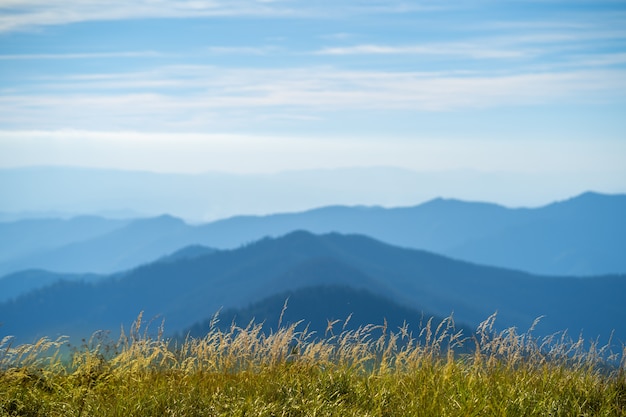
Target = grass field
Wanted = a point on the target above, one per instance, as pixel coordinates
(372, 371)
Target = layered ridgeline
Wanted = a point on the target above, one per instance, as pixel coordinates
(90, 244)
(190, 289)
(585, 235)
(326, 311)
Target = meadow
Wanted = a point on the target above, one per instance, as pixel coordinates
(371, 371)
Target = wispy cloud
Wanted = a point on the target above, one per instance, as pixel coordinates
(85, 55)
(26, 14)
(504, 45)
(353, 76)
(450, 49)
(601, 60)
(206, 96)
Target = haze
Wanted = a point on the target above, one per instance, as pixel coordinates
(529, 90)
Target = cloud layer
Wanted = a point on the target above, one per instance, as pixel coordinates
(203, 96)
(245, 85)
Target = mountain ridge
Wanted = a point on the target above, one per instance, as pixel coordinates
(314, 308)
(191, 196)
(192, 289)
(578, 236)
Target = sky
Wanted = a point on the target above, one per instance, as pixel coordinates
(244, 86)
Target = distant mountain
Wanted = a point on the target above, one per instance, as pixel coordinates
(190, 290)
(33, 236)
(188, 252)
(435, 225)
(16, 284)
(213, 195)
(117, 246)
(584, 235)
(315, 307)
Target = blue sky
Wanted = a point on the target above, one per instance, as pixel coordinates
(266, 86)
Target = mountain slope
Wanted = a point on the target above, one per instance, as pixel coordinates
(190, 290)
(314, 307)
(14, 285)
(581, 236)
(187, 252)
(28, 237)
(134, 243)
(435, 225)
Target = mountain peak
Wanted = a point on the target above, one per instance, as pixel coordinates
(441, 204)
(593, 196)
(298, 240)
(300, 235)
(592, 200)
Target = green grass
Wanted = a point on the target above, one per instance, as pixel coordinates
(368, 372)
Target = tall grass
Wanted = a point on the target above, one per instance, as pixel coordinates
(371, 371)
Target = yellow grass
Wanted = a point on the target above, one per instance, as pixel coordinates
(372, 371)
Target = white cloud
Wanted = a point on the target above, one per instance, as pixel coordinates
(27, 14)
(84, 55)
(207, 97)
(601, 60)
(455, 49)
(505, 44)
(18, 15)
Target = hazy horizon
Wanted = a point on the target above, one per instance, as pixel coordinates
(527, 97)
(203, 197)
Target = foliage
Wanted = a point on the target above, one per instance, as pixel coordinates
(370, 371)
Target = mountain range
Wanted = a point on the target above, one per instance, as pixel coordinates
(188, 290)
(203, 197)
(585, 235)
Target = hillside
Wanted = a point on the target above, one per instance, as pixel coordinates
(18, 283)
(129, 244)
(32, 237)
(313, 308)
(584, 235)
(581, 236)
(192, 289)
